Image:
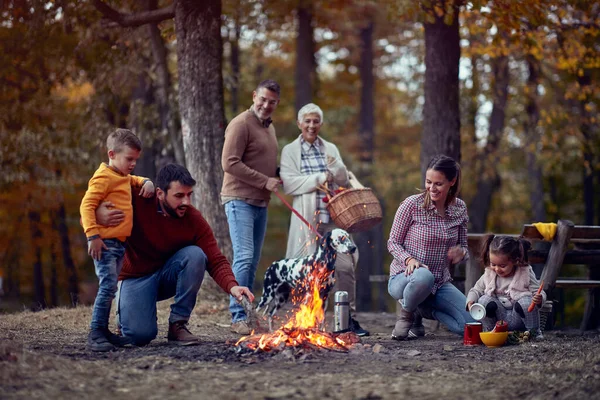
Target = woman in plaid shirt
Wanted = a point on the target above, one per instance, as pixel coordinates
(428, 234)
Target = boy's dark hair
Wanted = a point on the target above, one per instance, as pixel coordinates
(121, 138)
(271, 85)
(173, 173)
(451, 169)
(514, 248)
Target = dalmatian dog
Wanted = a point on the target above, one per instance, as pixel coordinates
(289, 274)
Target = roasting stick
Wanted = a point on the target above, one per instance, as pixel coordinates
(532, 305)
(298, 214)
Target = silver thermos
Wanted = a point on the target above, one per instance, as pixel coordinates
(341, 311)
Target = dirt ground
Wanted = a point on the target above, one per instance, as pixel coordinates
(43, 356)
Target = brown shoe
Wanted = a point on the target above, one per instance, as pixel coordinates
(180, 335)
(241, 328)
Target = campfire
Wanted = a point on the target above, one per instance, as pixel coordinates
(302, 328)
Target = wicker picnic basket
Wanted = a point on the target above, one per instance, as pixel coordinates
(355, 210)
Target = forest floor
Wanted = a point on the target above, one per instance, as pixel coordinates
(43, 356)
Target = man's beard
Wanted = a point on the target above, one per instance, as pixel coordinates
(170, 210)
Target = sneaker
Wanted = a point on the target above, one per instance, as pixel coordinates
(417, 329)
(403, 325)
(537, 335)
(117, 339)
(241, 328)
(97, 341)
(356, 328)
(180, 335)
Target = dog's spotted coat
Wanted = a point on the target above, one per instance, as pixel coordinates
(290, 274)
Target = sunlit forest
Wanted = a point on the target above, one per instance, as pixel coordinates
(508, 88)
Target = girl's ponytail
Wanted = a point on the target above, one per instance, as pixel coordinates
(485, 250)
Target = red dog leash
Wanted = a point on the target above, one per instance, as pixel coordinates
(298, 215)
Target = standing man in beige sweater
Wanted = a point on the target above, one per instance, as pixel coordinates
(250, 164)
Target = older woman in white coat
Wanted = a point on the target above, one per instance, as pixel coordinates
(307, 162)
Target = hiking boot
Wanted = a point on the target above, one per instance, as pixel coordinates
(356, 328)
(417, 329)
(97, 341)
(180, 335)
(117, 340)
(403, 325)
(241, 328)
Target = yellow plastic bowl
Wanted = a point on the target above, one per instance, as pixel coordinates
(493, 339)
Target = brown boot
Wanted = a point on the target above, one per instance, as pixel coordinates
(180, 335)
(403, 325)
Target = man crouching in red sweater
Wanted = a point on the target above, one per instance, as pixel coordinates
(170, 247)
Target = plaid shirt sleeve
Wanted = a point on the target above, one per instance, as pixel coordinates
(402, 222)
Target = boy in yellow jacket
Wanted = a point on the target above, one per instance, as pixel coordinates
(111, 182)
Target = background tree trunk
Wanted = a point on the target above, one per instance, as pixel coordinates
(199, 52)
(441, 117)
(235, 64)
(59, 222)
(538, 209)
(163, 88)
(369, 242)
(39, 291)
(488, 179)
(305, 55)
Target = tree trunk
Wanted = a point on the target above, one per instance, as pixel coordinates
(441, 117)
(53, 274)
(163, 89)
(39, 294)
(488, 179)
(534, 169)
(60, 225)
(199, 52)
(235, 64)
(305, 55)
(369, 242)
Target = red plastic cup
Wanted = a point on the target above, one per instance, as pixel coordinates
(471, 336)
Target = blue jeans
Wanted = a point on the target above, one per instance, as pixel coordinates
(447, 305)
(247, 227)
(107, 270)
(181, 276)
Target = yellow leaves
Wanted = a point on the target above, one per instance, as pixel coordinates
(75, 92)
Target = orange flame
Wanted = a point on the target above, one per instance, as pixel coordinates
(302, 329)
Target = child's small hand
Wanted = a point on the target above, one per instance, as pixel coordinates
(95, 247)
(469, 304)
(537, 299)
(147, 190)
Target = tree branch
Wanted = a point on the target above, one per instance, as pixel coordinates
(137, 19)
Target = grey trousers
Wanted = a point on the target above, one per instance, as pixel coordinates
(515, 321)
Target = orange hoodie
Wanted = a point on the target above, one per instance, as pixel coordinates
(108, 184)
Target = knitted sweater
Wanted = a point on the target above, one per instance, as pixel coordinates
(301, 240)
(522, 283)
(108, 184)
(249, 158)
(156, 237)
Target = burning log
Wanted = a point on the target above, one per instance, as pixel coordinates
(301, 330)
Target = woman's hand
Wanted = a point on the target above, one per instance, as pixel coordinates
(106, 215)
(412, 265)
(537, 299)
(456, 254)
(469, 304)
